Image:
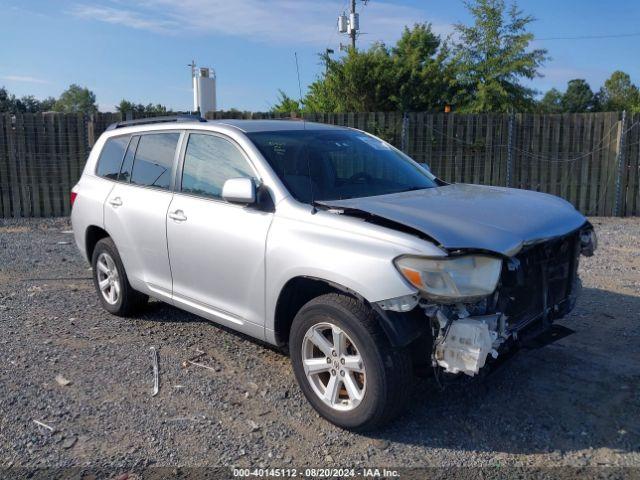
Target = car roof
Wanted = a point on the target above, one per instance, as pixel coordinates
(253, 126)
(243, 126)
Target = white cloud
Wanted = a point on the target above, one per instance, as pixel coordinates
(309, 22)
(23, 79)
(127, 18)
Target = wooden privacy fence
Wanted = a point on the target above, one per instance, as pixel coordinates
(592, 159)
(41, 157)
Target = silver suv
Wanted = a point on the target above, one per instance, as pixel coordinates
(331, 242)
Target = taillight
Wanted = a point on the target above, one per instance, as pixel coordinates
(73, 198)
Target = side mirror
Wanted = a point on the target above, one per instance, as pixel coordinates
(239, 190)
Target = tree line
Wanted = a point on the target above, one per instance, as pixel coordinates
(617, 93)
(75, 99)
(482, 68)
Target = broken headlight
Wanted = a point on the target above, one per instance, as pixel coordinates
(452, 279)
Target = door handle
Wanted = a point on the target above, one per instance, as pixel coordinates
(178, 216)
(115, 202)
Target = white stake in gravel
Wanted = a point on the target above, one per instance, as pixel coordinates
(37, 422)
(156, 371)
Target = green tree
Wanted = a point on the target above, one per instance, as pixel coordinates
(140, 110)
(618, 93)
(48, 104)
(28, 104)
(415, 74)
(157, 109)
(579, 97)
(551, 102)
(494, 56)
(125, 106)
(7, 101)
(76, 99)
(286, 104)
(362, 81)
(425, 78)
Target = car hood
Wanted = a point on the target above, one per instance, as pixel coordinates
(461, 216)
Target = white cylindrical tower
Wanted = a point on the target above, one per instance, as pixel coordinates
(204, 90)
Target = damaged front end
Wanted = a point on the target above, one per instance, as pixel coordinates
(523, 295)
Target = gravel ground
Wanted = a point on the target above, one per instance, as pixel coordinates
(575, 402)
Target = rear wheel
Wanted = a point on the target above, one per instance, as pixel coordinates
(110, 280)
(345, 365)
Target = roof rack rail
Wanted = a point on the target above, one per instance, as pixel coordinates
(152, 120)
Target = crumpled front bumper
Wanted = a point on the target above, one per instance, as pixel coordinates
(538, 286)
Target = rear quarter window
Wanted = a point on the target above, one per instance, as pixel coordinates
(111, 157)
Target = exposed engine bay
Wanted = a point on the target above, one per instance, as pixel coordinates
(537, 286)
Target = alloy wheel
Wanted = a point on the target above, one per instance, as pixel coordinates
(333, 366)
(108, 278)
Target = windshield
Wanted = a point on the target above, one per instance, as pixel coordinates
(317, 165)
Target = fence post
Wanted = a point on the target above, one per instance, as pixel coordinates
(14, 179)
(620, 145)
(404, 139)
(510, 150)
(91, 131)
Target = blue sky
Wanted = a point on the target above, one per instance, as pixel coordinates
(139, 50)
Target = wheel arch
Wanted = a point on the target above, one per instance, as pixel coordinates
(297, 292)
(93, 235)
(400, 328)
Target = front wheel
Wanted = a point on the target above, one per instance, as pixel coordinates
(345, 365)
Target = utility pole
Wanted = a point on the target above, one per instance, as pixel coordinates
(192, 65)
(350, 25)
(353, 24)
(622, 135)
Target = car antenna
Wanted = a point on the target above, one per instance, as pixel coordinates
(304, 124)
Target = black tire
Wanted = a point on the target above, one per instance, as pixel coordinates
(388, 370)
(129, 301)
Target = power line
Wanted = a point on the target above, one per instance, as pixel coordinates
(591, 37)
(353, 25)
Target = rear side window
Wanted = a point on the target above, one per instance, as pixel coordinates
(208, 162)
(111, 157)
(154, 160)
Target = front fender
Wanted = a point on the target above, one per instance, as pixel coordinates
(359, 262)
